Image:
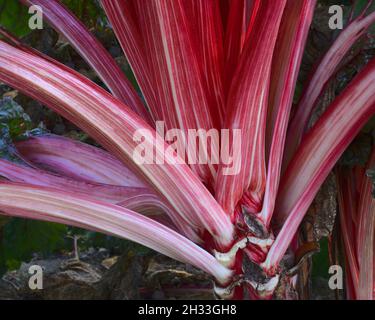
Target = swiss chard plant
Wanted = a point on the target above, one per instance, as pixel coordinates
(224, 70)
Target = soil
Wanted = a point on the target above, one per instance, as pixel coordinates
(97, 275)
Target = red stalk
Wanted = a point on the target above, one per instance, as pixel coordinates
(236, 30)
(208, 31)
(320, 150)
(249, 93)
(173, 63)
(169, 52)
(290, 46)
(152, 206)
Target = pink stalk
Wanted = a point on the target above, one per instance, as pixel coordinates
(113, 194)
(138, 199)
(114, 126)
(318, 153)
(290, 46)
(77, 160)
(141, 200)
(249, 95)
(92, 51)
(51, 205)
(152, 206)
(324, 71)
